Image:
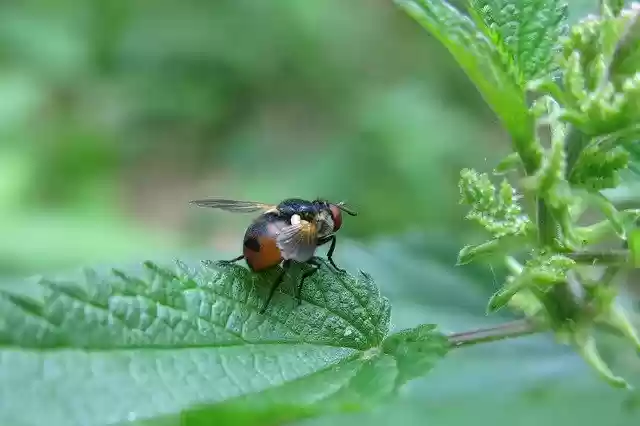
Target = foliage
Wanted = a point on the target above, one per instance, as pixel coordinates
(189, 342)
(571, 143)
(525, 33)
(188, 346)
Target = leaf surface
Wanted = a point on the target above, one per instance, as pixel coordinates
(528, 30)
(189, 344)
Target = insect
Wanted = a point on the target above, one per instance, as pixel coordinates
(283, 233)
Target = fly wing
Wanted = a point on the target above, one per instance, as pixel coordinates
(236, 206)
(298, 241)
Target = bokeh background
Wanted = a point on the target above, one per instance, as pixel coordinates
(114, 114)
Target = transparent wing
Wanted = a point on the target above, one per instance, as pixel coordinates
(298, 241)
(237, 206)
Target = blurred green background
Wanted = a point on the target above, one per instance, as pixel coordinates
(114, 114)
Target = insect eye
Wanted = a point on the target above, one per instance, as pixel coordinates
(336, 215)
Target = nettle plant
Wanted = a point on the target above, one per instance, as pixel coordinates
(574, 140)
(187, 345)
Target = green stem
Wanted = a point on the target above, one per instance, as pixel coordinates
(547, 226)
(560, 297)
(548, 232)
(508, 330)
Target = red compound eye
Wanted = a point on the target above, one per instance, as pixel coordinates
(336, 215)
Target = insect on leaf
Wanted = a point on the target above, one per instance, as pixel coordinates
(188, 344)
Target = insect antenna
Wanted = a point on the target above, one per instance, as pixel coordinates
(341, 206)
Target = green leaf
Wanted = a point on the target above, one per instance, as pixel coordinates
(484, 64)
(497, 210)
(597, 169)
(492, 248)
(509, 163)
(586, 345)
(416, 350)
(529, 30)
(504, 295)
(541, 272)
(189, 343)
(599, 60)
(538, 380)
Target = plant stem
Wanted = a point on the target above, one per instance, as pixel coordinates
(548, 232)
(547, 226)
(508, 330)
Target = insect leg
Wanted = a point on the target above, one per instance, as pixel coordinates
(276, 283)
(330, 254)
(234, 260)
(315, 265)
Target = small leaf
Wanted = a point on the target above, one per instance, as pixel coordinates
(530, 278)
(586, 345)
(527, 303)
(540, 273)
(510, 163)
(497, 210)
(493, 247)
(502, 297)
(189, 342)
(471, 253)
(416, 350)
(597, 170)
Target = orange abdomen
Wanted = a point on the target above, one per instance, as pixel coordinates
(259, 248)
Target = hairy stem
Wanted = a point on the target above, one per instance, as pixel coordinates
(508, 330)
(547, 226)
